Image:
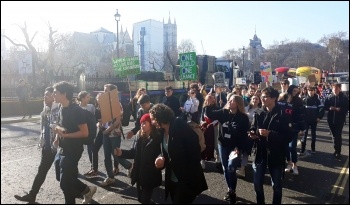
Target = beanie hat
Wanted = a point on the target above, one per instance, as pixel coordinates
(146, 117)
(291, 88)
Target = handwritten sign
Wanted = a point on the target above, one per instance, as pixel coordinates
(127, 66)
(188, 66)
(219, 79)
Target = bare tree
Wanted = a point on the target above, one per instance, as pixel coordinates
(186, 46)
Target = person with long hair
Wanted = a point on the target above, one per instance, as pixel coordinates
(235, 125)
(247, 148)
(144, 151)
(292, 101)
(133, 105)
(208, 127)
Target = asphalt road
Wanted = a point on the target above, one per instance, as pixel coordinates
(321, 179)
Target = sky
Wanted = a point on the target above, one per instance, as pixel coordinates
(214, 27)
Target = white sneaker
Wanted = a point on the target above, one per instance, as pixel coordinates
(203, 164)
(107, 181)
(289, 168)
(295, 170)
(88, 196)
(241, 172)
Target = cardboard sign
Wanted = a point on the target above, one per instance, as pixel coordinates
(276, 86)
(219, 79)
(312, 78)
(110, 106)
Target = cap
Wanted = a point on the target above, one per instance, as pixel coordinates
(146, 117)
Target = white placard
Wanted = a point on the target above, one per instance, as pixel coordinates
(219, 79)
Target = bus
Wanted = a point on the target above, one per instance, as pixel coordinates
(332, 77)
(318, 74)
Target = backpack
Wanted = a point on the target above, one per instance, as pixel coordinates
(91, 123)
(200, 134)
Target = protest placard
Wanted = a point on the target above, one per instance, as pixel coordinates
(110, 106)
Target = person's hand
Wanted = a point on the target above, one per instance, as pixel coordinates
(337, 109)
(118, 151)
(159, 162)
(129, 135)
(264, 132)
(55, 143)
(253, 135)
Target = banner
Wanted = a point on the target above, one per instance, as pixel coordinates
(266, 71)
(188, 66)
(127, 66)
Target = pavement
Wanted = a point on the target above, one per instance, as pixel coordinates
(16, 119)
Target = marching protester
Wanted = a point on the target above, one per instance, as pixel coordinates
(170, 100)
(70, 130)
(235, 124)
(337, 106)
(144, 151)
(111, 140)
(313, 114)
(184, 177)
(293, 104)
(271, 131)
(49, 117)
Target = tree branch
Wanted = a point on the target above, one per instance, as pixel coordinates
(15, 44)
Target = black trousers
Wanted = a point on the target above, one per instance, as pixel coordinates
(179, 195)
(144, 196)
(47, 158)
(336, 129)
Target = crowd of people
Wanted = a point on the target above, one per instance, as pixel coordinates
(264, 124)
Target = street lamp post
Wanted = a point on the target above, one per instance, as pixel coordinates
(243, 58)
(117, 19)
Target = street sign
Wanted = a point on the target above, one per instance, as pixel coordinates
(188, 66)
(127, 66)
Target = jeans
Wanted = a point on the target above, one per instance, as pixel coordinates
(109, 144)
(291, 150)
(276, 174)
(93, 150)
(71, 186)
(47, 158)
(337, 130)
(229, 167)
(313, 136)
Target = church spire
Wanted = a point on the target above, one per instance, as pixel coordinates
(169, 21)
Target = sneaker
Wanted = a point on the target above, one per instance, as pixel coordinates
(289, 168)
(115, 171)
(27, 198)
(295, 170)
(232, 198)
(88, 196)
(203, 164)
(130, 170)
(302, 153)
(241, 172)
(107, 181)
(227, 196)
(91, 173)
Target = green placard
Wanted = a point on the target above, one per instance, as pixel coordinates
(127, 66)
(188, 66)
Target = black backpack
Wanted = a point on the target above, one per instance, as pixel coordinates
(91, 123)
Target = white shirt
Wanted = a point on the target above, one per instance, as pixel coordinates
(191, 105)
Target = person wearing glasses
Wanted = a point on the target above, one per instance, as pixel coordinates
(270, 131)
(284, 86)
(313, 114)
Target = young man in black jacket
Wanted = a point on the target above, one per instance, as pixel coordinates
(171, 101)
(313, 114)
(337, 106)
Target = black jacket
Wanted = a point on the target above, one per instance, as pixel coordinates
(313, 109)
(144, 151)
(234, 127)
(272, 149)
(173, 103)
(341, 101)
(183, 158)
(296, 106)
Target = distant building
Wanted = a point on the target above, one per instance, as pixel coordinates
(255, 49)
(152, 40)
